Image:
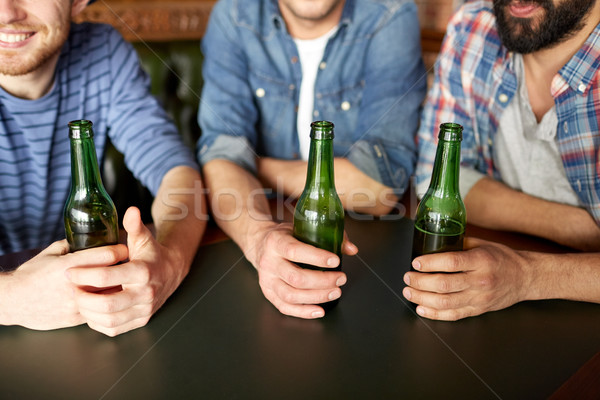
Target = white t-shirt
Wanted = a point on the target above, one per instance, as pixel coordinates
(311, 53)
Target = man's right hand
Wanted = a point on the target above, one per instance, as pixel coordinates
(293, 290)
(38, 295)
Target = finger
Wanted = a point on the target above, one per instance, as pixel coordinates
(306, 311)
(117, 319)
(131, 272)
(102, 256)
(446, 315)
(439, 301)
(291, 295)
(103, 303)
(302, 278)
(452, 261)
(294, 250)
(437, 283)
(57, 248)
(348, 247)
(117, 330)
(137, 233)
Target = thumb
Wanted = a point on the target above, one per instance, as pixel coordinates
(137, 233)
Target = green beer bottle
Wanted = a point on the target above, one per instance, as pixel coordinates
(319, 214)
(90, 216)
(441, 217)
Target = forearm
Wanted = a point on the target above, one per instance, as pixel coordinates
(238, 203)
(358, 192)
(179, 213)
(493, 205)
(562, 276)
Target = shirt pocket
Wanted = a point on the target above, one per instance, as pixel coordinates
(341, 106)
(274, 99)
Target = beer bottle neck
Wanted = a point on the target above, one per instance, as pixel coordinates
(446, 167)
(320, 164)
(85, 173)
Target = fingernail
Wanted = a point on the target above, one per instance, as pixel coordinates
(332, 262)
(407, 279)
(416, 265)
(407, 294)
(421, 311)
(334, 294)
(341, 281)
(318, 314)
(68, 274)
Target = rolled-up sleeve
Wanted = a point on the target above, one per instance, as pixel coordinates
(227, 114)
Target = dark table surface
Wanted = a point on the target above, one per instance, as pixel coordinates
(218, 337)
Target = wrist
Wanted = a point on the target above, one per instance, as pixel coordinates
(255, 234)
(533, 276)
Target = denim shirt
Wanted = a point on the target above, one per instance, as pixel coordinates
(476, 80)
(371, 83)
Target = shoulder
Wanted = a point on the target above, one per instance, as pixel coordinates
(476, 19)
(97, 39)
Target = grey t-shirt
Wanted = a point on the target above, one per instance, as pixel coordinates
(525, 151)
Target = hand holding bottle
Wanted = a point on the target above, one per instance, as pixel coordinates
(293, 290)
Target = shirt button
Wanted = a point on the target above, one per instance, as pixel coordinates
(294, 60)
(581, 87)
(503, 98)
(315, 113)
(260, 92)
(319, 96)
(566, 127)
(292, 86)
(323, 65)
(490, 142)
(295, 155)
(346, 105)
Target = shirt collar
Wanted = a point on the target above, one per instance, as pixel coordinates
(581, 69)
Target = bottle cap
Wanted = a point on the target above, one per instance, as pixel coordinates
(450, 132)
(80, 127)
(321, 130)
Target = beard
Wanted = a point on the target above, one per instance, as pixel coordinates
(557, 24)
(19, 62)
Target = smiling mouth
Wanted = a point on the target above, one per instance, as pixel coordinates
(14, 37)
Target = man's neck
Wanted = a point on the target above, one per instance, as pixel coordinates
(34, 84)
(302, 28)
(551, 60)
(542, 66)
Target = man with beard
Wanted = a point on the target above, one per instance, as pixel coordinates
(270, 69)
(52, 72)
(522, 78)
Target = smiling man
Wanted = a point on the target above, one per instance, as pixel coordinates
(52, 72)
(523, 79)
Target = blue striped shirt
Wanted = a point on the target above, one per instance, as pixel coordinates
(475, 80)
(98, 77)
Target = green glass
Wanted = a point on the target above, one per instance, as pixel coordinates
(90, 215)
(441, 216)
(319, 214)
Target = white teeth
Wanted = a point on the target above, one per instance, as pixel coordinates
(13, 37)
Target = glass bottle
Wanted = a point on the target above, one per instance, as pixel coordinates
(319, 214)
(90, 215)
(441, 217)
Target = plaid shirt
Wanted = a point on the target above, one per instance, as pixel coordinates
(475, 81)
